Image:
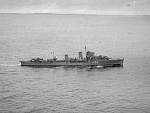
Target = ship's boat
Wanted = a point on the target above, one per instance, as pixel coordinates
(90, 61)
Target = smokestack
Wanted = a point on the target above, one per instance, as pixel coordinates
(66, 58)
(80, 56)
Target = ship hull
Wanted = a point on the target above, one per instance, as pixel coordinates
(104, 63)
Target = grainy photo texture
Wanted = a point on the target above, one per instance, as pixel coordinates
(74, 56)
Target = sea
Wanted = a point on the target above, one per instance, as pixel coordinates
(74, 90)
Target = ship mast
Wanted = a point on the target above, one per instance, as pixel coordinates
(53, 54)
(85, 51)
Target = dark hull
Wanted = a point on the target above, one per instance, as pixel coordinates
(104, 63)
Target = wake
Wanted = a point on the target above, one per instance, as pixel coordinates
(9, 65)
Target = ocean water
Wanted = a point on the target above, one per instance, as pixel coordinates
(74, 90)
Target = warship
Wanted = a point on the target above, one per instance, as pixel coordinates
(90, 61)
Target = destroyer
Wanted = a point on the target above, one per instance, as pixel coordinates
(90, 61)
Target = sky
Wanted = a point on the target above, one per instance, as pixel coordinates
(99, 7)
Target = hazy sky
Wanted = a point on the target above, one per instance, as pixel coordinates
(108, 7)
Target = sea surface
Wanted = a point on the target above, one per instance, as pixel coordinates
(74, 90)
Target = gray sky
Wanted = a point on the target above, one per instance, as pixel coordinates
(106, 7)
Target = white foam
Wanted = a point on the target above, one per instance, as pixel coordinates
(99, 66)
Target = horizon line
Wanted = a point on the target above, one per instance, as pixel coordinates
(78, 14)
